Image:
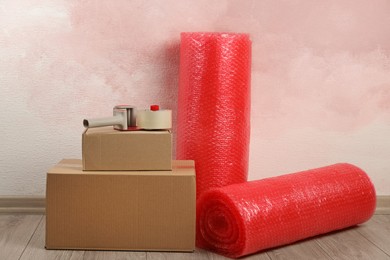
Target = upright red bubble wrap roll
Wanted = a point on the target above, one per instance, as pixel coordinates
(245, 218)
(213, 107)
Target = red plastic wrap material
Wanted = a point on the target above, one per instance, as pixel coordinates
(213, 107)
(245, 218)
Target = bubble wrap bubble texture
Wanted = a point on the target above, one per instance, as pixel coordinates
(213, 107)
(241, 219)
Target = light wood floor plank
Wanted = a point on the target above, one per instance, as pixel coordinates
(377, 230)
(114, 255)
(307, 249)
(258, 256)
(368, 241)
(36, 248)
(350, 244)
(15, 232)
(198, 254)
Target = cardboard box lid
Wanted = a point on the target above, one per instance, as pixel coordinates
(74, 166)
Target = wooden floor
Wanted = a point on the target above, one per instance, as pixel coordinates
(22, 237)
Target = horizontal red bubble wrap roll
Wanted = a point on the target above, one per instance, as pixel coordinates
(245, 218)
(213, 107)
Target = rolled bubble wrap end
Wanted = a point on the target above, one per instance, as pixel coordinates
(245, 218)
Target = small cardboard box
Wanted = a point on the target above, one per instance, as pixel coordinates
(106, 149)
(132, 210)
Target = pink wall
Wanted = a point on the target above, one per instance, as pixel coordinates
(320, 82)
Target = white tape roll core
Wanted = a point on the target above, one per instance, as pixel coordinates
(154, 120)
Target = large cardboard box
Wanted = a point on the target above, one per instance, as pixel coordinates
(107, 149)
(140, 210)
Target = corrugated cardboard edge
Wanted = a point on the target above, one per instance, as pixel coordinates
(75, 166)
(37, 204)
(119, 249)
(82, 146)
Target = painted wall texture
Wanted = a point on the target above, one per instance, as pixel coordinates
(320, 81)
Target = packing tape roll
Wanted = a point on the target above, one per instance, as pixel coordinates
(154, 120)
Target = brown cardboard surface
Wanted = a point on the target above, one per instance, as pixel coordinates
(153, 210)
(104, 148)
